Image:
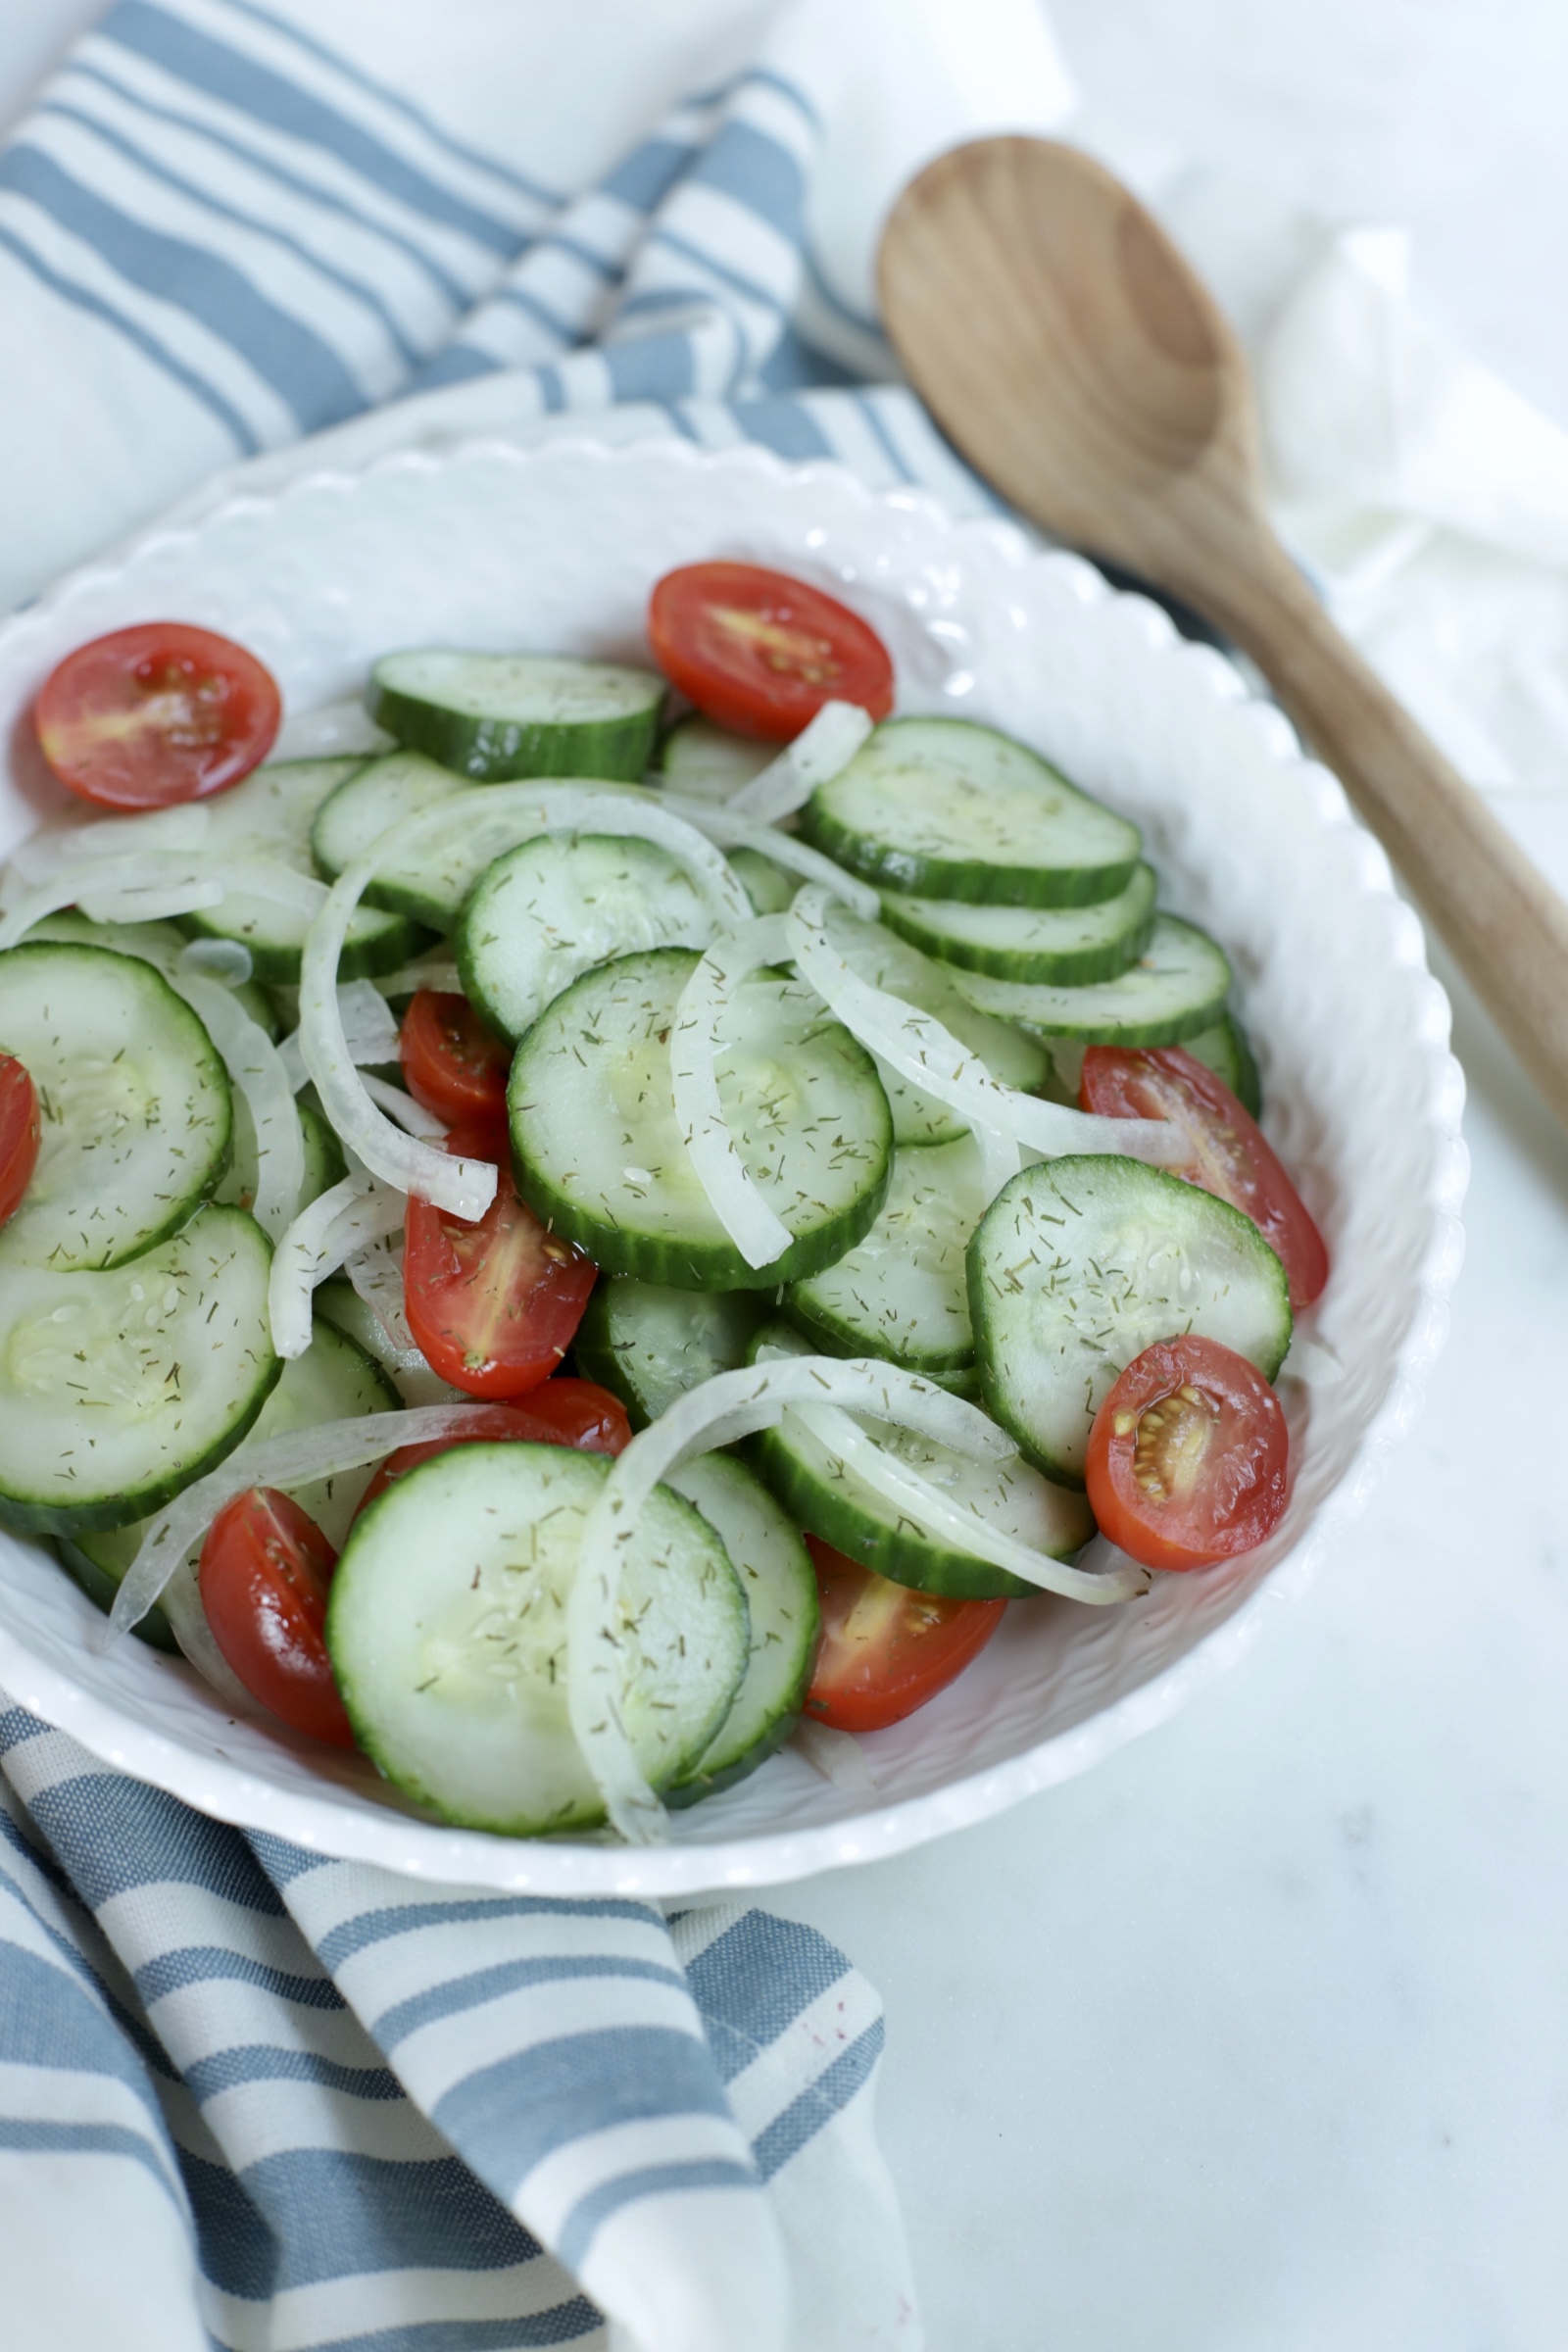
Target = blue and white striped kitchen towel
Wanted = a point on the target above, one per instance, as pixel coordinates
(248, 2096)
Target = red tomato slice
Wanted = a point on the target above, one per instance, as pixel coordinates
(762, 653)
(558, 1412)
(1229, 1154)
(156, 715)
(266, 1572)
(884, 1649)
(19, 1133)
(494, 1305)
(453, 1064)
(1188, 1456)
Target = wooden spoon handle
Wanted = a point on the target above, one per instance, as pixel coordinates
(1506, 924)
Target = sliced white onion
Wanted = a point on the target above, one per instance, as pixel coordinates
(155, 884)
(184, 827)
(340, 1221)
(922, 1051)
(695, 1039)
(370, 1031)
(938, 1516)
(465, 1188)
(837, 1755)
(255, 1067)
(730, 1405)
(443, 977)
(814, 758)
(296, 1458)
(377, 1273)
(733, 832)
(408, 1115)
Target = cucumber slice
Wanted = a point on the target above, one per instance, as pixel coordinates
(891, 964)
(446, 1631)
(1064, 946)
(1081, 1263)
(134, 1106)
(768, 887)
(340, 1305)
(332, 1381)
(780, 1587)
(706, 763)
(118, 1390)
(823, 1494)
(947, 809)
(157, 944)
(490, 716)
(432, 885)
(1177, 988)
(270, 817)
(900, 1293)
(1227, 1052)
(562, 903)
(648, 1344)
(599, 1153)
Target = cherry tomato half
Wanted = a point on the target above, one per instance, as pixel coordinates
(453, 1064)
(558, 1412)
(884, 1649)
(19, 1133)
(1188, 1456)
(266, 1572)
(762, 653)
(155, 715)
(1229, 1154)
(494, 1305)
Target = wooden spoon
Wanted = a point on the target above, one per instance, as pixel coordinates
(1067, 349)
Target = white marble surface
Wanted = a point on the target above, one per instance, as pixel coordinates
(1254, 2041)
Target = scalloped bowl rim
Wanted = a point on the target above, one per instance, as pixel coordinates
(224, 1786)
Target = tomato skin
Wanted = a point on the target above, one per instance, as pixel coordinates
(266, 1572)
(886, 1649)
(1204, 1480)
(493, 1306)
(558, 1412)
(762, 653)
(19, 1133)
(452, 1062)
(1230, 1154)
(149, 716)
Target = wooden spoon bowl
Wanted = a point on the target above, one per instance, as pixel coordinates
(1069, 352)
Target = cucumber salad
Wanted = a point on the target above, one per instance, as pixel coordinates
(636, 1208)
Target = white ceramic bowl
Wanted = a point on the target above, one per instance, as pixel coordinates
(558, 546)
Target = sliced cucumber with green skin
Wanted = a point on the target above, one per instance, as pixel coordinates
(824, 1496)
(598, 1150)
(946, 809)
(779, 1583)
(271, 816)
(1227, 1051)
(134, 1109)
(1064, 946)
(431, 883)
(157, 944)
(447, 1630)
(492, 717)
(1081, 1263)
(116, 1390)
(889, 962)
(332, 1381)
(560, 905)
(648, 1344)
(340, 1305)
(1175, 990)
(768, 887)
(708, 762)
(900, 1293)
